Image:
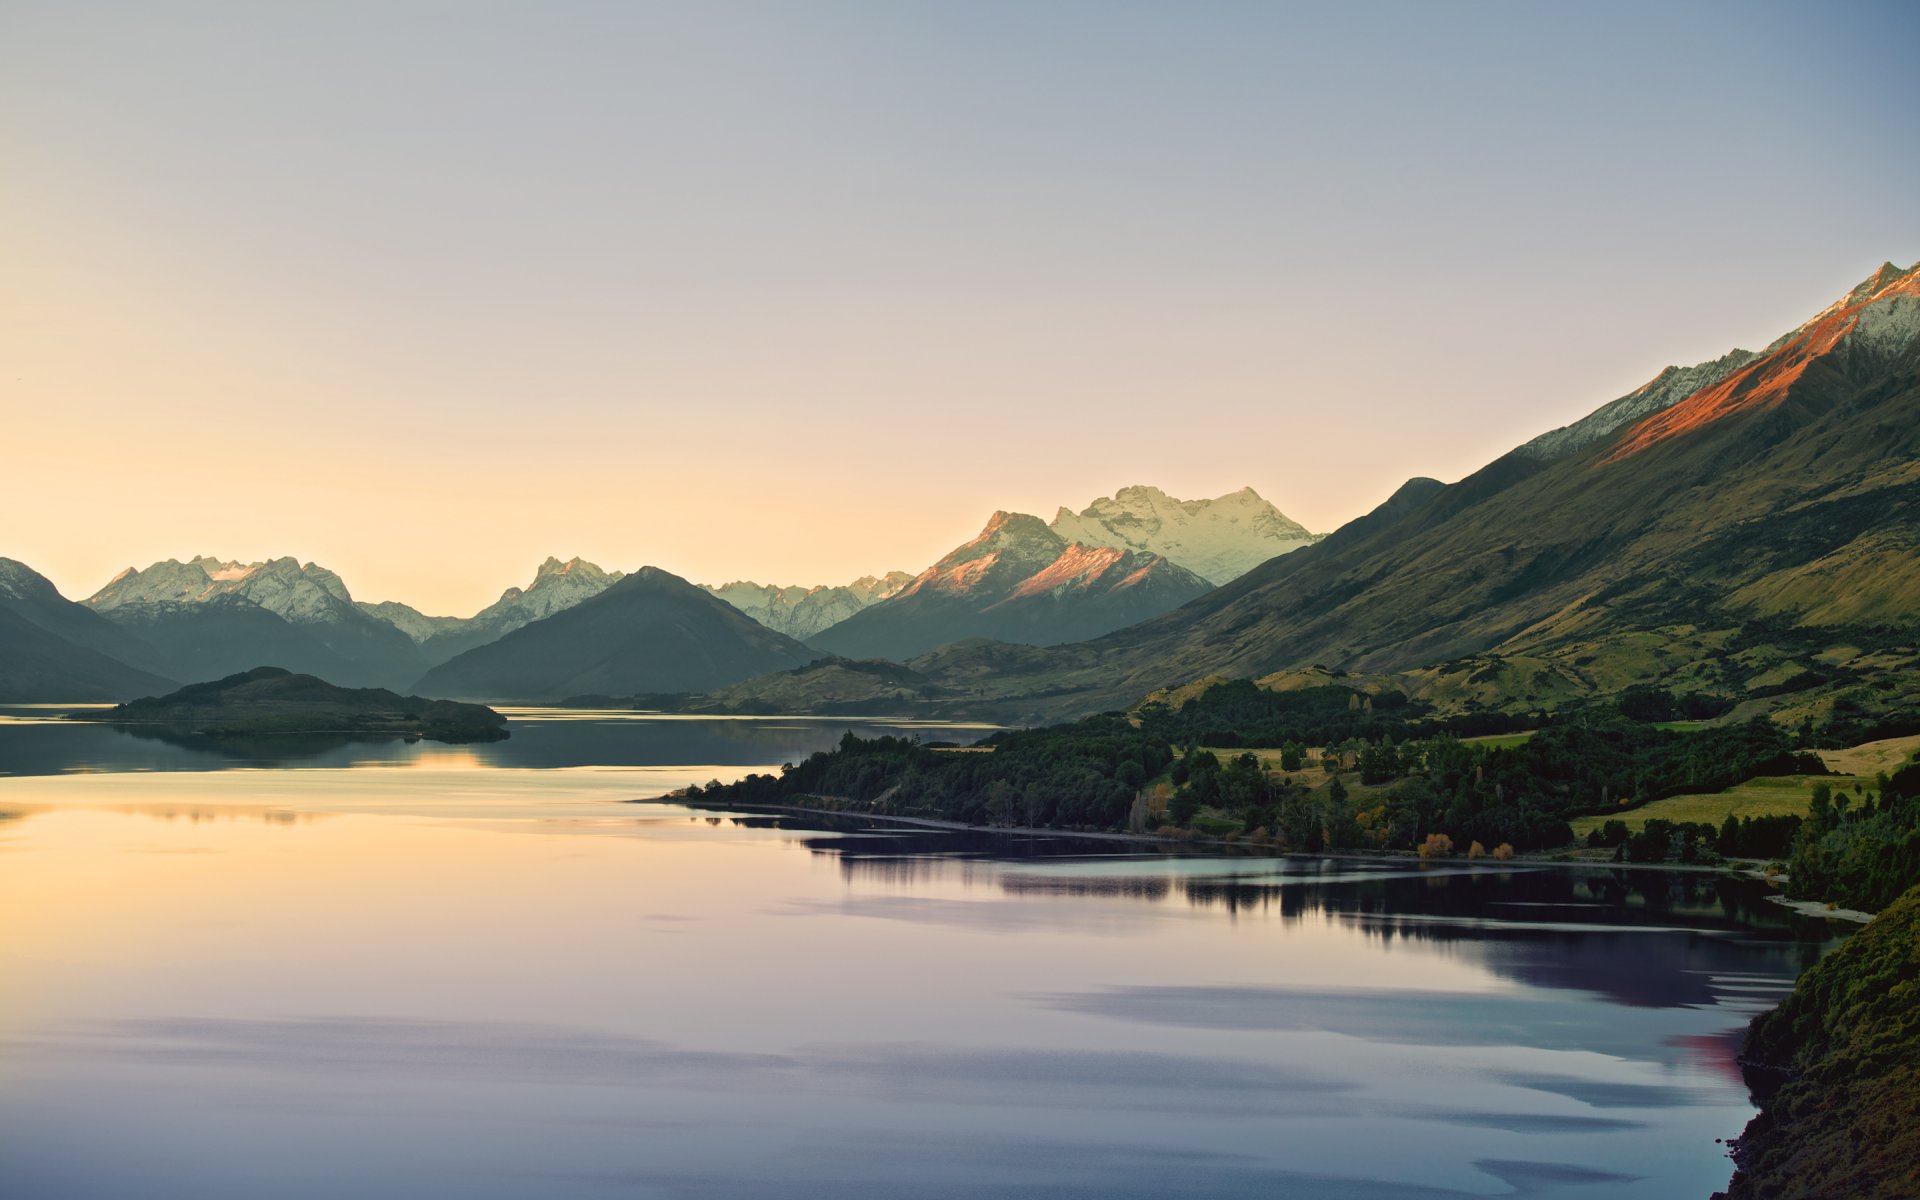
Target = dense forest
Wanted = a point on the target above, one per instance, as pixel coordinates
(1425, 787)
(1860, 852)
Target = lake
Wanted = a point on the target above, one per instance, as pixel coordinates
(398, 969)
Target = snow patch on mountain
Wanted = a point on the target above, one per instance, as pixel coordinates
(801, 612)
(306, 594)
(1219, 539)
(410, 620)
(1889, 320)
(1662, 392)
(556, 586)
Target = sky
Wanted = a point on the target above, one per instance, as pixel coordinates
(804, 290)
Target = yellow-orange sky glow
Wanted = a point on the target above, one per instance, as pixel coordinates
(799, 293)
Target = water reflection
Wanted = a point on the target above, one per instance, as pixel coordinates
(33, 741)
(505, 985)
(1638, 937)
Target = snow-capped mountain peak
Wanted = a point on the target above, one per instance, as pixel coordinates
(801, 612)
(556, 585)
(1218, 539)
(304, 594)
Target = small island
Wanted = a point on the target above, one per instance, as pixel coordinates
(270, 700)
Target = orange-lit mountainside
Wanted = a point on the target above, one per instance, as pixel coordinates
(1747, 526)
(1123, 558)
(1017, 581)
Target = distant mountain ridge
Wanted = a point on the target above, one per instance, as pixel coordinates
(1017, 581)
(556, 587)
(208, 618)
(801, 612)
(1219, 539)
(649, 632)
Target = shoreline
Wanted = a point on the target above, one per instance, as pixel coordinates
(1814, 908)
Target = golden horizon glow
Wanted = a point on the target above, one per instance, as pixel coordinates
(795, 294)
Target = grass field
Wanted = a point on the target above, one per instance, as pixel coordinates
(1765, 796)
(1312, 775)
(1500, 741)
(1871, 758)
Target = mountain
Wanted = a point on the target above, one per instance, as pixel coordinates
(650, 632)
(1018, 581)
(209, 618)
(53, 650)
(410, 620)
(1218, 540)
(801, 612)
(1663, 391)
(275, 700)
(556, 586)
(1758, 535)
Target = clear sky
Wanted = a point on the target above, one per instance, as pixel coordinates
(798, 291)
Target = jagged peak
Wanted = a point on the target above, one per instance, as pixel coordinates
(554, 567)
(1004, 526)
(1877, 317)
(1879, 281)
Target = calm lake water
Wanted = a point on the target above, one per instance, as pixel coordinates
(389, 970)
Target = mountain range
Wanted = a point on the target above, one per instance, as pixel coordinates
(1017, 581)
(801, 612)
(648, 632)
(1218, 540)
(1748, 525)
(207, 618)
(556, 586)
